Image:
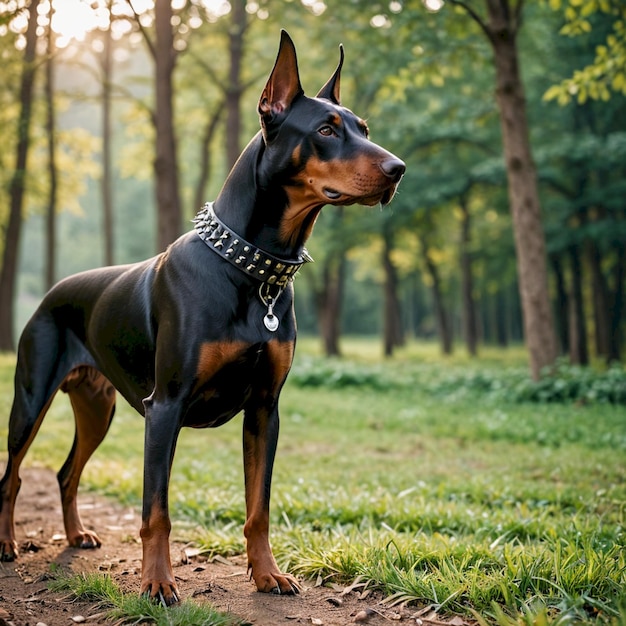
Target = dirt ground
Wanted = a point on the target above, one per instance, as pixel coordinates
(25, 599)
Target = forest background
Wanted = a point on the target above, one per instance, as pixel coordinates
(119, 119)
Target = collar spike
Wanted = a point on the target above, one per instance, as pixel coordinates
(260, 265)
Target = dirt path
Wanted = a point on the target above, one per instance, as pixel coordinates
(26, 601)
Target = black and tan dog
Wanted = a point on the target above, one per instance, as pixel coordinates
(204, 330)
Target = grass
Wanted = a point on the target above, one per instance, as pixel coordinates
(435, 481)
(133, 609)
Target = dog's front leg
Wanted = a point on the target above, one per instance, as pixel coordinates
(162, 428)
(260, 436)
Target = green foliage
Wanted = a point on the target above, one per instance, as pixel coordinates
(337, 374)
(563, 384)
(131, 609)
(607, 72)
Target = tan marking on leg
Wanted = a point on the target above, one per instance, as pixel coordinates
(93, 400)
(157, 576)
(267, 576)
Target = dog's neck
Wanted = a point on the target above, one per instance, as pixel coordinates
(244, 192)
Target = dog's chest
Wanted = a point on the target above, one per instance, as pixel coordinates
(228, 377)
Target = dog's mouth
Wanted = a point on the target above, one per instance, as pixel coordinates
(337, 197)
(332, 194)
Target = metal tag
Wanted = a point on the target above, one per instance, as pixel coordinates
(270, 320)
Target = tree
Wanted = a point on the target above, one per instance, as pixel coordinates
(167, 193)
(52, 165)
(501, 27)
(106, 188)
(470, 324)
(582, 170)
(235, 88)
(11, 235)
(393, 335)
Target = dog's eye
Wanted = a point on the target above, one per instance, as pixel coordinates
(326, 131)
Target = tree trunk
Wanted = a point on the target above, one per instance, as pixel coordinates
(106, 187)
(540, 336)
(562, 323)
(235, 89)
(441, 315)
(523, 197)
(165, 163)
(205, 156)
(503, 307)
(392, 325)
(618, 306)
(329, 303)
(11, 237)
(51, 212)
(470, 326)
(579, 354)
(601, 301)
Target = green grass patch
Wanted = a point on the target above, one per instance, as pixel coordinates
(133, 609)
(433, 480)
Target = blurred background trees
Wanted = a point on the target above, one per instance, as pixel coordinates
(138, 108)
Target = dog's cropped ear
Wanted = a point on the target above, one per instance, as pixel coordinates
(283, 84)
(330, 91)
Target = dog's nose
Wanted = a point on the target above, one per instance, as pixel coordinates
(393, 168)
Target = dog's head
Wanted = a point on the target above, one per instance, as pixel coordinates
(321, 148)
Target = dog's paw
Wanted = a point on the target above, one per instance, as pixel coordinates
(8, 550)
(86, 540)
(276, 582)
(163, 592)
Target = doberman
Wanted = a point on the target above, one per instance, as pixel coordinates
(204, 330)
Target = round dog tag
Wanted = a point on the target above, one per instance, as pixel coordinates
(271, 322)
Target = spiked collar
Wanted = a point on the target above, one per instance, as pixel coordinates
(250, 259)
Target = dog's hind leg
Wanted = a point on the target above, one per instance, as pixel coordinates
(11, 481)
(37, 378)
(93, 400)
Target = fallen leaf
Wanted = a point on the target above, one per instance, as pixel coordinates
(190, 553)
(218, 558)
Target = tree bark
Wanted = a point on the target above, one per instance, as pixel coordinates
(501, 27)
(51, 211)
(470, 326)
(205, 156)
(165, 164)
(234, 88)
(523, 193)
(12, 233)
(393, 336)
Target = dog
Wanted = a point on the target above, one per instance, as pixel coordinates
(204, 330)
